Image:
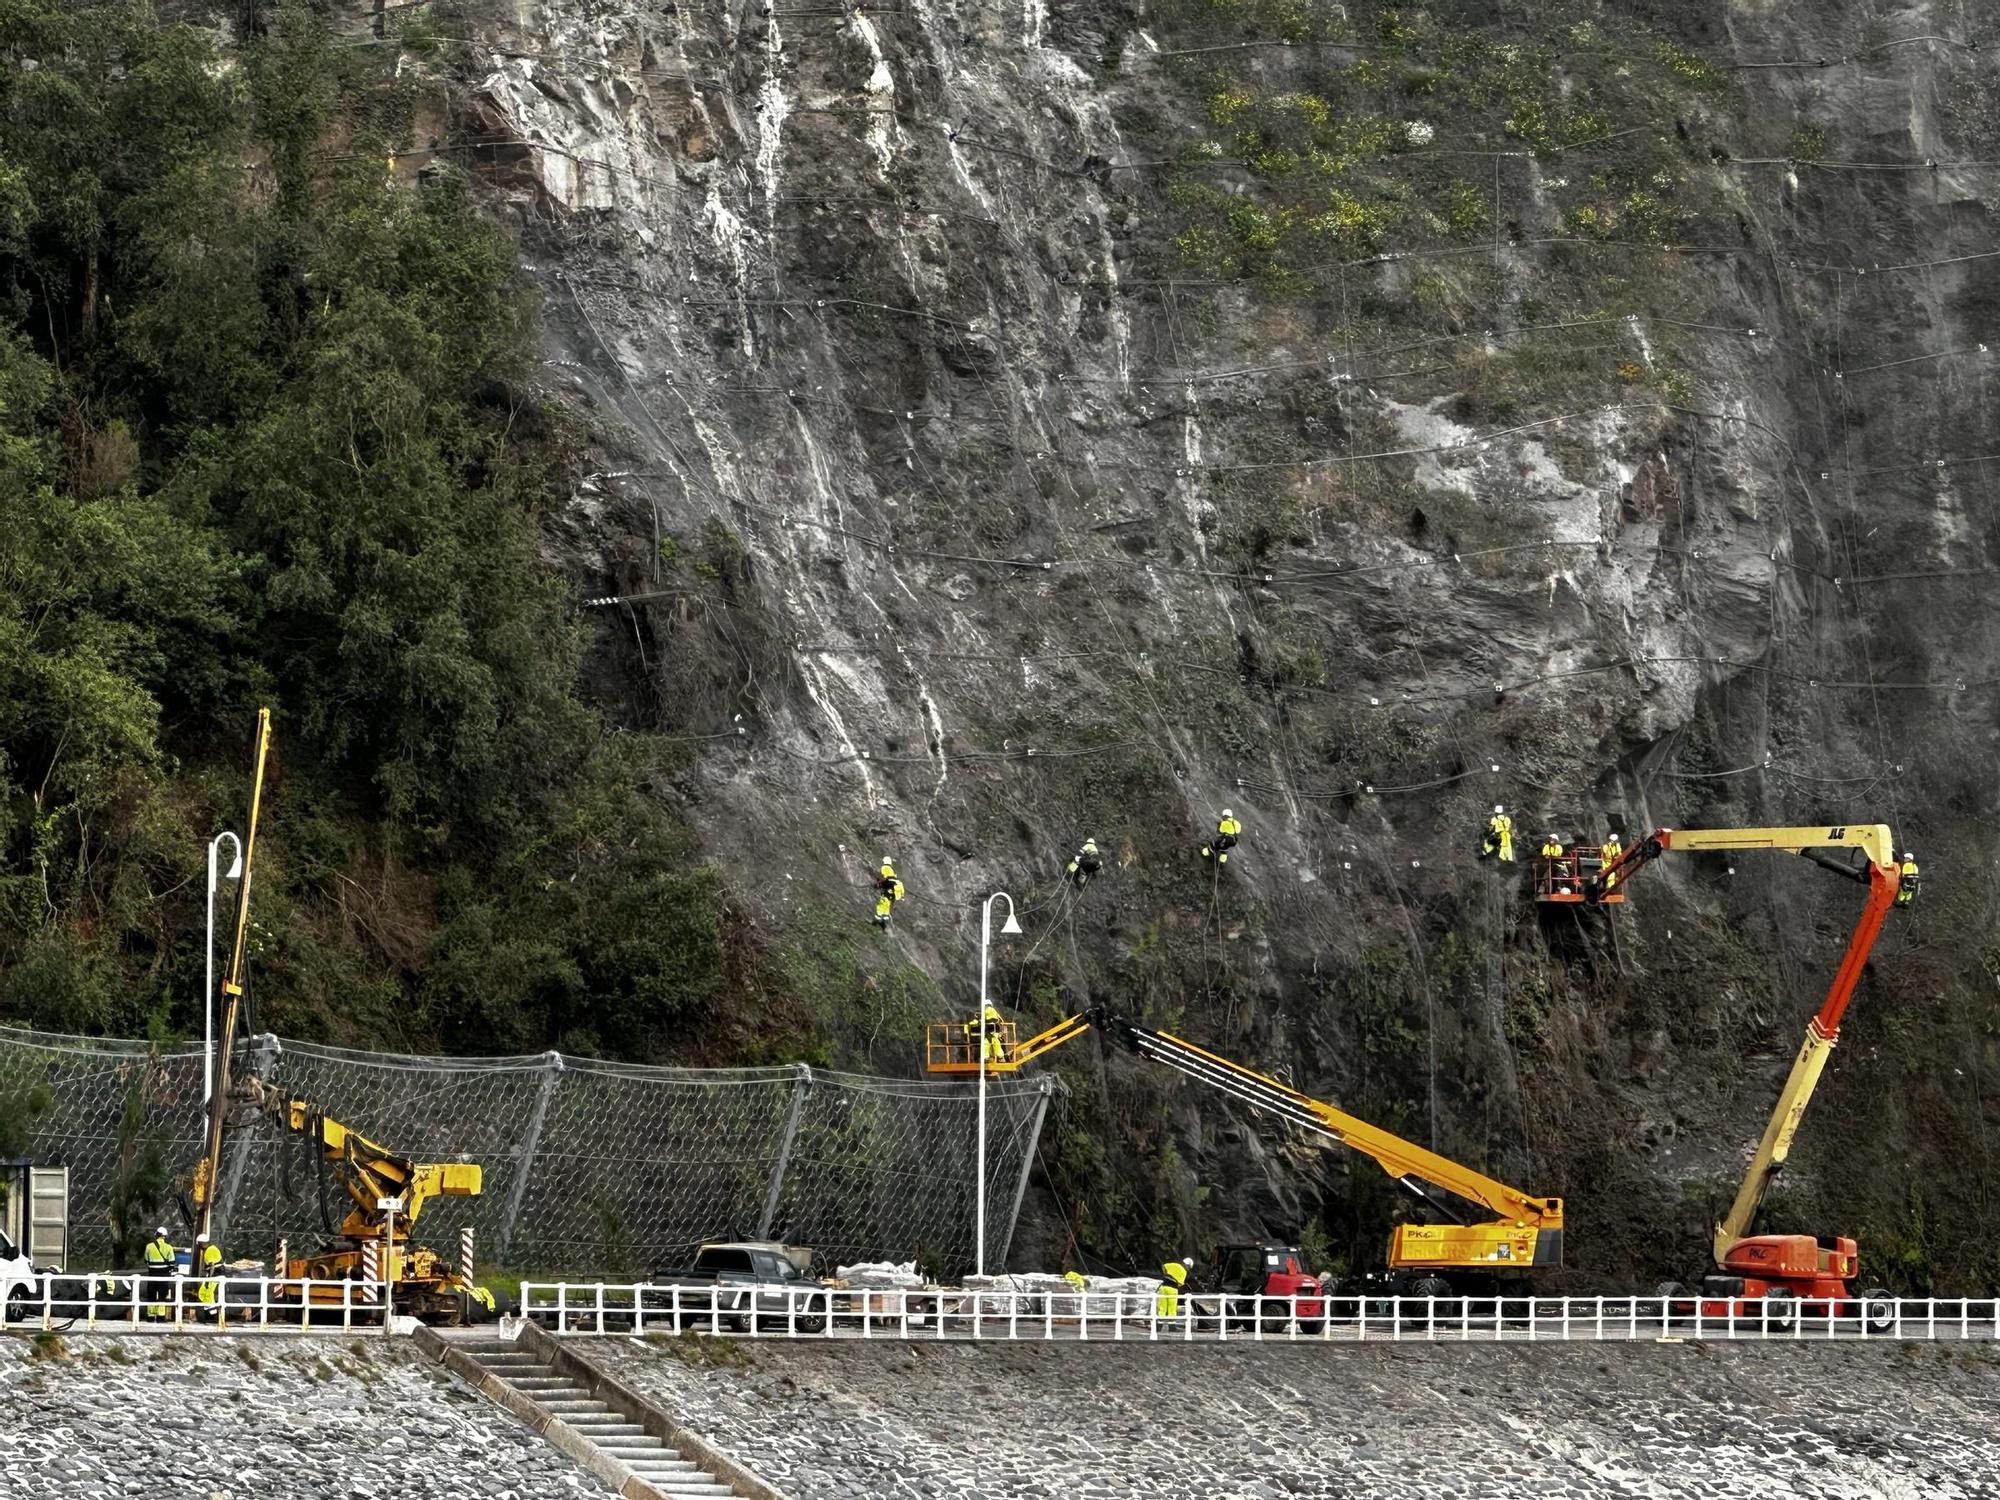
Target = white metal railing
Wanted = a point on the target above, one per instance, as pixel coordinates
(123, 1301)
(792, 1311)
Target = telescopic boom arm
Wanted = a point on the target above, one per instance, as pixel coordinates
(1882, 877)
(1526, 1231)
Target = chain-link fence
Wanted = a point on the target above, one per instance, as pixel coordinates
(589, 1166)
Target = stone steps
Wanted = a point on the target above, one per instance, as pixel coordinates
(611, 1432)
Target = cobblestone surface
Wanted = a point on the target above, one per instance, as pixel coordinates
(992, 1422)
(294, 1419)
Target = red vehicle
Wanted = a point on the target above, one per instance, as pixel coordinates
(1230, 1284)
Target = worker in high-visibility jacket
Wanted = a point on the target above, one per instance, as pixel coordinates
(160, 1272)
(1907, 885)
(996, 1042)
(1086, 864)
(888, 891)
(1227, 830)
(1499, 837)
(207, 1289)
(1174, 1275)
(1614, 850)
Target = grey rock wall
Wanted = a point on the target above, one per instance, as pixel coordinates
(993, 520)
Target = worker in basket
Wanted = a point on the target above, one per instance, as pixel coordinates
(1552, 851)
(1907, 886)
(996, 1042)
(1614, 850)
(160, 1271)
(1226, 831)
(1174, 1275)
(1086, 864)
(1499, 838)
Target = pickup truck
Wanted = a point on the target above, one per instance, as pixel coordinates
(729, 1284)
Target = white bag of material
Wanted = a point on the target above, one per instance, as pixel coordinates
(881, 1275)
(1122, 1296)
(1019, 1303)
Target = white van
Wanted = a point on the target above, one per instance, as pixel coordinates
(19, 1283)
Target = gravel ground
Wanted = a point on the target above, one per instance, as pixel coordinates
(989, 1422)
(295, 1419)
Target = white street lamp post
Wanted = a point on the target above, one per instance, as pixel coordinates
(1009, 928)
(235, 872)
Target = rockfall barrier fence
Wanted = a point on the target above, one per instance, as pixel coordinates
(587, 1164)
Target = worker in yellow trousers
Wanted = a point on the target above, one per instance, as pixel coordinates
(996, 1044)
(207, 1289)
(160, 1272)
(1175, 1275)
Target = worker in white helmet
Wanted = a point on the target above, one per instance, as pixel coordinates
(1173, 1276)
(888, 891)
(1499, 837)
(1226, 831)
(1085, 864)
(160, 1271)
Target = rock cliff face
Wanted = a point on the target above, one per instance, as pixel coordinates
(1011, 423)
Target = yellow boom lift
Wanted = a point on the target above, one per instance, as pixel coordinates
(1524, 1233)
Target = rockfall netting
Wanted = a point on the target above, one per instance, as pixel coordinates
(589, 1167)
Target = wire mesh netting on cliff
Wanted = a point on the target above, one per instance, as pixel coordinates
(588, 1166)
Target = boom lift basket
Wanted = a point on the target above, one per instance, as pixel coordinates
(952, 1048)
(1561, 879)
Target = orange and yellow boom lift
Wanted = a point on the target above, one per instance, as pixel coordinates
(1524, 1233)
(1752, 1266)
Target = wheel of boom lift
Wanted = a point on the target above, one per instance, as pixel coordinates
(1878, 1309)
(1441, 1304)
(1780, 1309)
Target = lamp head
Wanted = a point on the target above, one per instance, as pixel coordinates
(1010, 927)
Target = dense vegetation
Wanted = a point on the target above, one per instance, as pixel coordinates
(263, 440)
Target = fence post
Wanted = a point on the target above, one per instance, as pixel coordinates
(260, 1063)
(1047, 1087)
(802, 1082)
(524, 1157)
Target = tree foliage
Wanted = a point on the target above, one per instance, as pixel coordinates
(261, 441)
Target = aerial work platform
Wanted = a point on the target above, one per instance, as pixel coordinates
(1576, 877)
(952, 1047)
